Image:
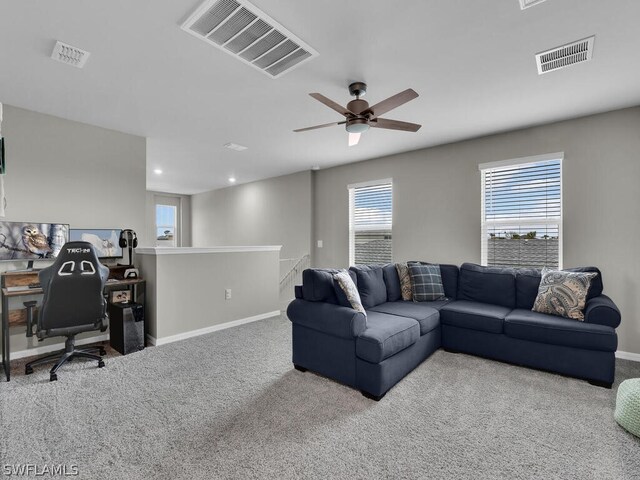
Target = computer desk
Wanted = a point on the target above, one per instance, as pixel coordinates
(16, 284)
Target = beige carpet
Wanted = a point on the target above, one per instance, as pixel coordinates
(229, 405)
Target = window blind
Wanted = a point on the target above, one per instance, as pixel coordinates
(370, 224)
(522, 214)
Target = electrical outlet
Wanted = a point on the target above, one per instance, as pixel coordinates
(227, 294)
(319, 243)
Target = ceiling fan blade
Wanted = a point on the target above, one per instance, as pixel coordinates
(395, 125)
(331, 104)
(392, 102)
(319, 126)
(354, 138)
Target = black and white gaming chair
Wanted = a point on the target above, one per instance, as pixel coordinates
(73, 303)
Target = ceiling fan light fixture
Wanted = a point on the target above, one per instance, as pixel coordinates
(357, 125)
(358, 117)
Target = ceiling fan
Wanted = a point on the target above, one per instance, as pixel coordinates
(360, 116)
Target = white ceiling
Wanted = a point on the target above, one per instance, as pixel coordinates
(472, 62)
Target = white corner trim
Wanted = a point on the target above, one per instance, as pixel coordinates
(522, 161)
(212, 328)
(634, 357)
(195, 250)
(32, 352)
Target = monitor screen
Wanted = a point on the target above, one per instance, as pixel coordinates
(31, 241)
(104, 240)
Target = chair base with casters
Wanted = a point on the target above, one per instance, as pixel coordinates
(70, 351)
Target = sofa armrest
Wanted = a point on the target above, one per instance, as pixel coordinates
(602, 311)
(328, 318)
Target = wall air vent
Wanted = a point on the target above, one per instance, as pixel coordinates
(529, 3)
(240, 29)
(565, 56)
(73, 56)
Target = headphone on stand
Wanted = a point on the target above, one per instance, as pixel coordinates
(128, 238)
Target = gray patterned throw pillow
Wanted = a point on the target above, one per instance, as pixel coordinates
(350, 290)
(426, 283)
(405, 281)
(563, 293)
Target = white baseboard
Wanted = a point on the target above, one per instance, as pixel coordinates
(32, 352)
(634, 357)
(212, 328)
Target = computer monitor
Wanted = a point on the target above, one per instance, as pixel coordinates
(105, 240)
(31, 241)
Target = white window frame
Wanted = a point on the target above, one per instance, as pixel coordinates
(351, 189)
(169, 201)
(483, 167)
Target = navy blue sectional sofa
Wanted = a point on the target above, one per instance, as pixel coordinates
(487, 313)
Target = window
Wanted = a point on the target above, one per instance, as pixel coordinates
(522, 212)
(166, 221)
(168, 224)
(370, 220)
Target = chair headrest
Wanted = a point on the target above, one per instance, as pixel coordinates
(78, 258)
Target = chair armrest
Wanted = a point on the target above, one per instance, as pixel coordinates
(602, 311)
(328, 318)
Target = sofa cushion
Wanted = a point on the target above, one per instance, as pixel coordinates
(392, 281)
(350, 291)
(492, 285)
(527, 284)
(449, 275)
(427, 314)
(426, 283)
(542, 328)
(385, 336)
(563, 293)
(370, 283)
(474, 315)
(318, 285)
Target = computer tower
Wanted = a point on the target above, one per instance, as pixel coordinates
(126, 327)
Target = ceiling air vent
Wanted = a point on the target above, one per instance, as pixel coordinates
(242, 30)
(529, 3)
(73, 56)
(565, 56)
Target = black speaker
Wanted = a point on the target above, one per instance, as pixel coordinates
(126, 327)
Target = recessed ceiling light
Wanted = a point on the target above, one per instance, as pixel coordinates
(235, 146)
(158, 171)
(232, 179)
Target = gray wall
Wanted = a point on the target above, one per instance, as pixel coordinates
(276, 211)
(185, 217)
(69, 172)
(436, 211)
(187, 297)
